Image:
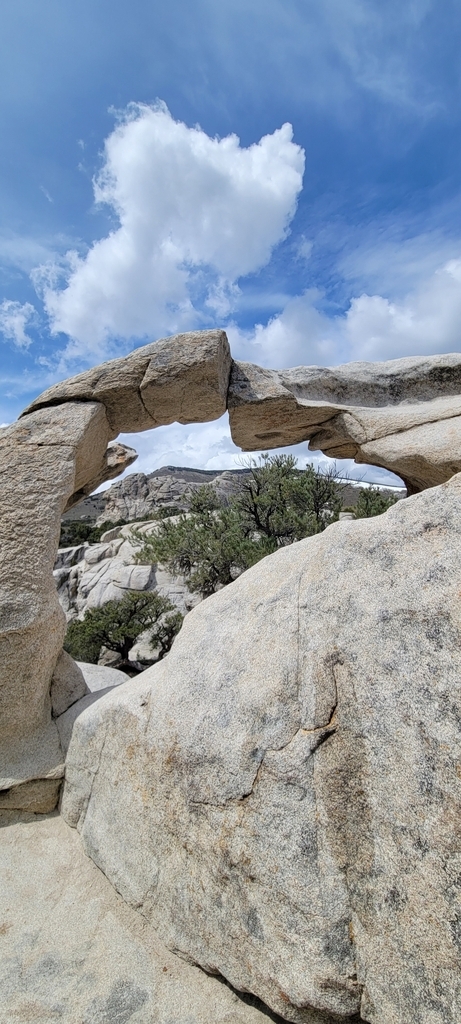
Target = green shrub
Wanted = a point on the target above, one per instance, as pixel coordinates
(75, 531)
(118, 624)
(372, 502)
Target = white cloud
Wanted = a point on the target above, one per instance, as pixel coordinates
(46, 194)
(23, 253)
(300, 334)
(14, 318)
(194, 214)
(425, 322)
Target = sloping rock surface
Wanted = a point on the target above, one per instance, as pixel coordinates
(280, 795)
(403, 414)
(98, 677)
(67, 684)
(73, 952)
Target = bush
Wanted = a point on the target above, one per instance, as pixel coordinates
(118, 624)
(372, 502)
(75, 531)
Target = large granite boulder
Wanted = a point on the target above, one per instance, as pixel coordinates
(280, 796)
(403, 415)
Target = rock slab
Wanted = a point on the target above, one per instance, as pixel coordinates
(72, 951)
(183, 378)
(403, 415)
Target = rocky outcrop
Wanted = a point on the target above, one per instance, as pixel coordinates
(280, 795)
(403, 415)
(73, 951)
(88, 575)
(48, 460)
(138, 496)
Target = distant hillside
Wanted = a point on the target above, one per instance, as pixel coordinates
(138, 495)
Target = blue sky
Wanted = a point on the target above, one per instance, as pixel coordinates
(151, 182)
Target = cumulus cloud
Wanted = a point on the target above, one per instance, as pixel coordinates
(14, 318)
(424, 322)
(427, 321)
(194, 214)
(299, 334)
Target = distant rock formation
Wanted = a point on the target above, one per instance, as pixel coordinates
(88, 575)
(138, 496)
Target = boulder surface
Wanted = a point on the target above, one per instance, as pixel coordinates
(280, 796)
(182, 378)
(44, 459)
(73, 952)
(67, 684)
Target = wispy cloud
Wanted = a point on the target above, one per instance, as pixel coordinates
(15, 317)
(46, 194)
(330, 54)
(23, 252)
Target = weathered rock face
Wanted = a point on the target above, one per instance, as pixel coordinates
(67, 684)
(116, 459)
(281, 794)
(403, 415)
(49, 459)
(183, 379)
(139, 495)
(91, 959)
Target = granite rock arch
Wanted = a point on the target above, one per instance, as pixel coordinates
(403, 415)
